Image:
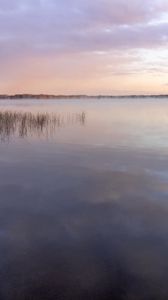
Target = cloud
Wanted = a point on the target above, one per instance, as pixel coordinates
(39, 29)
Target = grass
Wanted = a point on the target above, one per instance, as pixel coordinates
(25, 124)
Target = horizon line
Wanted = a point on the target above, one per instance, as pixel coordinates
(43, 95)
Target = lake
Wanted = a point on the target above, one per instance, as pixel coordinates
(84, 199)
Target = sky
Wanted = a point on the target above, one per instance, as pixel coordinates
(84, 46)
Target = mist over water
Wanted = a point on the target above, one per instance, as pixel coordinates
(84, 199)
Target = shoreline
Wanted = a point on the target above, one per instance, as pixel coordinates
(45, 96)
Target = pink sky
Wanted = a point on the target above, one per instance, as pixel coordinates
(83, 46)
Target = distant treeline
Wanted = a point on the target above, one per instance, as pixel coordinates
(43, 96)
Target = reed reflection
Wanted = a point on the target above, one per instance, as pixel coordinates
(24, 124)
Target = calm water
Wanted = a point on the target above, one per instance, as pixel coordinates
(84, 199)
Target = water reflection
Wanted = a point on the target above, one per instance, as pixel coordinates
(25, 124)
(90, 240)
(78, 219)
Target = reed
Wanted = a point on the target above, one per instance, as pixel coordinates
(23, 124)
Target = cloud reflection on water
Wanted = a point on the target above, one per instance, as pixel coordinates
(80, 221)
(81, 242)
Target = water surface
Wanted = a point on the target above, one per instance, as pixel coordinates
(84, 199)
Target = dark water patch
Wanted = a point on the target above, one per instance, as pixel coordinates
(89, 241)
